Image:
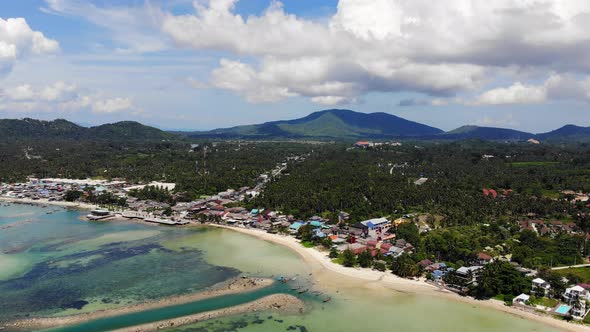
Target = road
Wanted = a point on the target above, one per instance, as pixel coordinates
(567, 267)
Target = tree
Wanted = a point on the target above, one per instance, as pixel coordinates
(379, 266)
(348, 258)
(500, 278)
(333, 253)
(305, 233)
(364, 259)
(404, 266)
(409, 232)
(72, 195)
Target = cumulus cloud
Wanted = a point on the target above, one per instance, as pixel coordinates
(61, 96)
(17, 40)
(556, 87)
(112, 105)
(441, 49)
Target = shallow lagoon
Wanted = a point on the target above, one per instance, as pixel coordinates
(55, 261)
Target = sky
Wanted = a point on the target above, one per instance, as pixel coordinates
(204, 64)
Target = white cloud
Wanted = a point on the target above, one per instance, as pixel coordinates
(58, 91)
(112, 105)
(61, 96)
(515, 94)
(442, 49)
(21, 92)
(17, 40)
(556, 87)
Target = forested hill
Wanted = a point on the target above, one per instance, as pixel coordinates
(331, 124)
(487, 133)
(568, 132)
(23, 129)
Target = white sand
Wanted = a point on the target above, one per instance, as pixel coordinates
(43, 201)
(333, 276)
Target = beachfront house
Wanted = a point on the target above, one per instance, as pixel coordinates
(576, 297)
(540, 287)
(521, 299)
(468, 274)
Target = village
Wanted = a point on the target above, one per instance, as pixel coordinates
(375, 238)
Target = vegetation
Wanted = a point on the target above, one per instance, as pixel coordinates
(500, 278)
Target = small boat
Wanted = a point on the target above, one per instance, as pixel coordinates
(303, 291)
(282, 279)
(327, 299)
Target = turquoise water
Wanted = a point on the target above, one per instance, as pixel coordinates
(56, 264)
(175, 311)
(563, 309)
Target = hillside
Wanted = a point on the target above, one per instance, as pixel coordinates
(567, 132)
(12, 129)
(487, 133)
(331, 124)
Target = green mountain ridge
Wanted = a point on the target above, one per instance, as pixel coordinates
(332, 124)
(28, 128)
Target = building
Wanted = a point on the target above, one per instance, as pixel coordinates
(483, 259)
(521, 299)
(576, 297)
(468, 274)
(540, 287)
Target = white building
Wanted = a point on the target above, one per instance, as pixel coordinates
(540, 287)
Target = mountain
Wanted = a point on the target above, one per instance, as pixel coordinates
(487, 133)
(330, 124)
(13, 129)
(567, 132)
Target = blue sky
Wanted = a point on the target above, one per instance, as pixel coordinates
(205, 64)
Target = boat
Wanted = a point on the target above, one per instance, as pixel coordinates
(327, 299)
(303, 291)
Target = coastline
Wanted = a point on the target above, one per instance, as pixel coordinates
(334, 276)
(234, 286)
(42, 201)
(283, 303)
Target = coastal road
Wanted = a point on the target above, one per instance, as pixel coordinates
(567, 267)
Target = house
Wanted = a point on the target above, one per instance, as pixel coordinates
(540, 287)
(483, 258)
(521, 299)
(295, 226)
(358, 230)
(425, 262)
(357, 248)
(576, 297)
(468, 274)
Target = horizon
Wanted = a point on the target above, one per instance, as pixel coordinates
(88, 125)
(206, 65)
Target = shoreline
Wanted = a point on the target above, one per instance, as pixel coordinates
(42, 201)
(283, 303)
(233, 286)
(331, 275)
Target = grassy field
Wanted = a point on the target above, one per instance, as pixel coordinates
(546, 302)
(534, 163)
(582, 272)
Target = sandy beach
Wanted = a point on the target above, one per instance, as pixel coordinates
(331, 277)
(234, 286)
(73, 205)
(283, 303)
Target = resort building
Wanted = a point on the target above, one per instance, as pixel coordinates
(540, 287)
